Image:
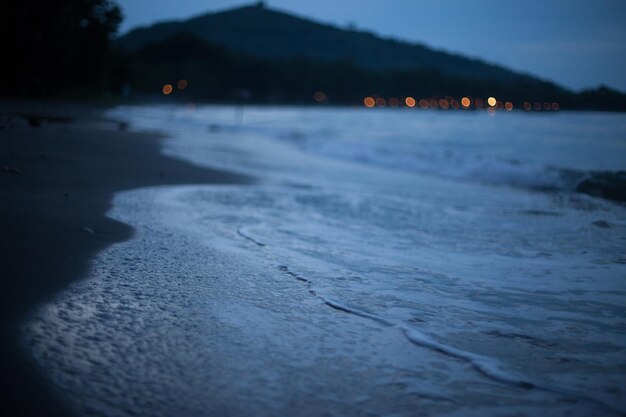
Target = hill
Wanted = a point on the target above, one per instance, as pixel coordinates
(216, 73)
(273, 57)
(270, 34)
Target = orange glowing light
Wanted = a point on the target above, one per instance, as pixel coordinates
(527, 106)
(443, 103)
(319, 96)
(409, 101)
(182, 84)
(555, 106)
(380, 102)
(465, 102)
(369, 102)
(394, 102)
(423, 104)
(508, 106)
(491, 101)
(167, 89)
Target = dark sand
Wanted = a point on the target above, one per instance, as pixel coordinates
(60, 166)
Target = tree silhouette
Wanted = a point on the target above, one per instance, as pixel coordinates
(56, 46)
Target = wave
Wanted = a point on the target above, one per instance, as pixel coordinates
(604, 184)
(489, 367)
(460, 160)
(486, 169)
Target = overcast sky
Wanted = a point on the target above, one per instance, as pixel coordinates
(577, 43)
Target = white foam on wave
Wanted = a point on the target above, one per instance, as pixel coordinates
(365, 236)
(484, 168)
(505, 150)
(489, 367)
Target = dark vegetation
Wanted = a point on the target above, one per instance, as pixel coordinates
(55, 47)
(250, 53)
(219, 74)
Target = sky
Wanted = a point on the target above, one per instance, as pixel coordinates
(576, 43)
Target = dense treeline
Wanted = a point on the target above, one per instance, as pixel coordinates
(56, 47)
(215, 73)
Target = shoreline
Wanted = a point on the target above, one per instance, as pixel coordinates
(61, 165)
(297, 295)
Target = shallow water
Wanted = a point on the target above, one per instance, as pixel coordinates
(386, 263)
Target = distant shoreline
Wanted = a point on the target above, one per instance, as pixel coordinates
(165, 101)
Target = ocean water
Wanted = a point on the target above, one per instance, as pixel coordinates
(384, 262)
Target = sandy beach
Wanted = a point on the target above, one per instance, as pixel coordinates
(61, 164)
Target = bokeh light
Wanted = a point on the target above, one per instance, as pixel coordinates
(369, 102)
(508, 106)
(167, 89)
(380, 102)
(491, 101)
(409, 101)
(319, 96)
(465, 102)
(182, 84)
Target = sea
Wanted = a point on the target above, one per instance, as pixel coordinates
(381, 262)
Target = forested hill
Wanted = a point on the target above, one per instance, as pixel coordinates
(275, 57)
(270, 34)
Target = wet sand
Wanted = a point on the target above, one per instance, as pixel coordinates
(61, 164)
